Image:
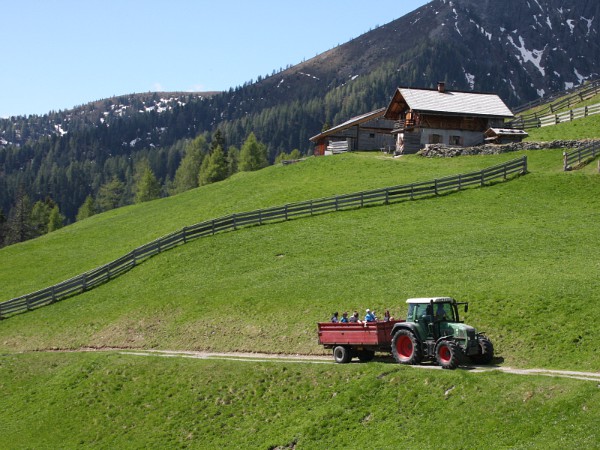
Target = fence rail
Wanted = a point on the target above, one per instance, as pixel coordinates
(100, 275)
(577, 96)
(580, 155)
(536, 121)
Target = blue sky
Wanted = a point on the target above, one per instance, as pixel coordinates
(57, 54)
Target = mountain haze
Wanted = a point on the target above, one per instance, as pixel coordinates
(519, 49)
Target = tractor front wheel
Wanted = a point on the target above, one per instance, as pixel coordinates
(486, 351)
(342, 354)
(406, 348)
(447, 354)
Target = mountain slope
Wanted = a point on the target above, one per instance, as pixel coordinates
(520, 50)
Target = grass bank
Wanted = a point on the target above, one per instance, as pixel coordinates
(105, 400)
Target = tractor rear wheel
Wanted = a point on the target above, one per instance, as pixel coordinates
(486, 349)
(447, 354)
(406, 348)
(342, 354)
(366, 355)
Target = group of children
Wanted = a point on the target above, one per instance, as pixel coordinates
(369, 317)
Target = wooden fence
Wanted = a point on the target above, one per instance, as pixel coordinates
(579, 156)
(560, 100)
(553, 119)
(95, 277)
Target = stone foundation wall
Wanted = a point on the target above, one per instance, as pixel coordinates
(444, 151)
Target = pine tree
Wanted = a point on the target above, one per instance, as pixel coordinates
(186, 176)
(19, 226)
(214, 167)
(110, 194)
(87, 209)
(253, 155)
(233, 159)
(40, 215)
(2, 228)
(147, 188)
(56, 220)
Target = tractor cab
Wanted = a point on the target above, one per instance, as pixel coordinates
(435, 316)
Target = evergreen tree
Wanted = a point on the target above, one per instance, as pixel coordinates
(186, 176)
(40, 215)
(87, 209)
(56, 219)
(253, 155)
(217, 141)
(148, 188)
(2, 228)
(19, 226)
(214, 167)
(233, 158)
(110, 195)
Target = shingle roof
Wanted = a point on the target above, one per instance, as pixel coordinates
(350, 122)
(451, 102)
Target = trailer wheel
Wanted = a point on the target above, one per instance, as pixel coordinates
(406, 348)
(486, 350)
(366, 355)
(447, 354)
(341, 354)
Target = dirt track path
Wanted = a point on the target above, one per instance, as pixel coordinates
(263, 357)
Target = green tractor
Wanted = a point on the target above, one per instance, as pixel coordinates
(433, 331)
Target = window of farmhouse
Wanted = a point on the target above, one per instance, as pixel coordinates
(455, 140)
(435, 139)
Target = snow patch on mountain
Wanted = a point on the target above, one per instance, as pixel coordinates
(532, 56)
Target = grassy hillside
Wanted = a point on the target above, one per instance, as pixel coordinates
(123, 401)
(525, 253)
(95, 241)
(586, 128)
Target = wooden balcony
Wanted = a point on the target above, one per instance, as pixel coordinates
(403, 125)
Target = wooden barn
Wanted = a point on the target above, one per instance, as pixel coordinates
(438, 116)
(369, 131)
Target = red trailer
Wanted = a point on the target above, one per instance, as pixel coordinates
(360, 340)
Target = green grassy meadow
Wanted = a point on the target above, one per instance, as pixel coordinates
(525, 254)
(110, 400)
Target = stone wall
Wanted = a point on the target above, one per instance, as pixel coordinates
(444, 151)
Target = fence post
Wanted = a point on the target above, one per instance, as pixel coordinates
(435, 184)
(311, 207)
(336, 203)
(213, 227)
(27, 303)
(184, 231)
(233, 218)
(387, 196)
(482, 178)
(412, 191)
(565, 165)
(84, 282)
(286, 212)
(260, 216)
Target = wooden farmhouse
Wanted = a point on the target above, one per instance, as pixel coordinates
(438, 116)
(369, 131)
